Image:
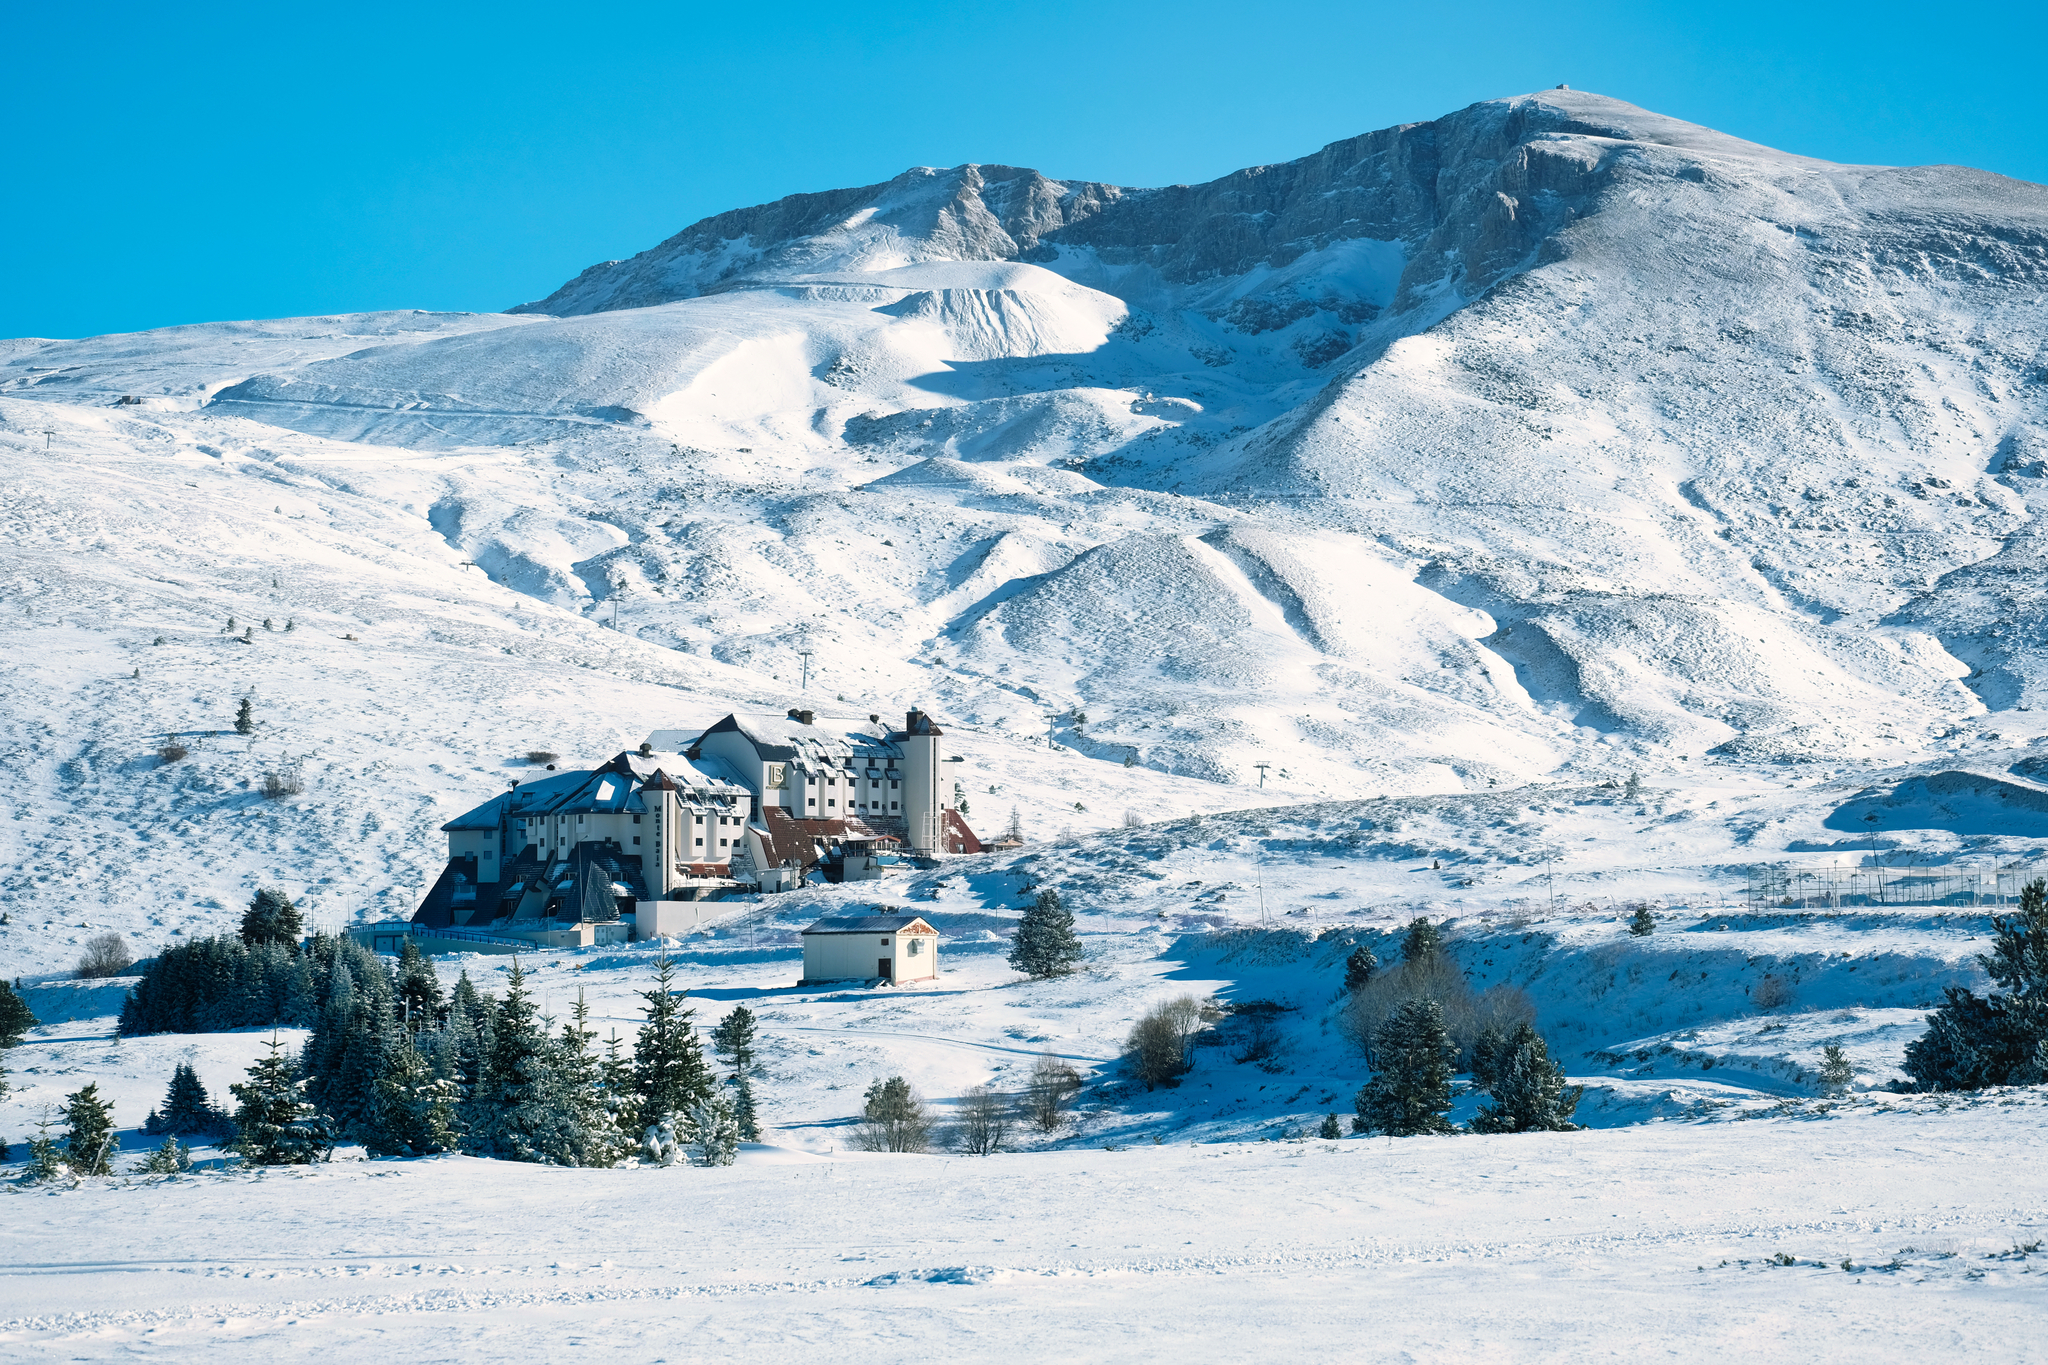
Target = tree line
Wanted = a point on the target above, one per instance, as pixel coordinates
(405, 1069)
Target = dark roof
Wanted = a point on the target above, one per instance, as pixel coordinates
(866, 924)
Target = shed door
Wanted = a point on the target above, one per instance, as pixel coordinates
(882, 969)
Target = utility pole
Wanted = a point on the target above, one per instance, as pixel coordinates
(807, 669)
(618, 591)
(1262, 774)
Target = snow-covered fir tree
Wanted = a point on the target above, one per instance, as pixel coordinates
(1045, 944)
(271, 917)
(1973, 1041)
(187, 1109)
(733, 1041)
(274, 1123)
(669, 1073)
(519, 1112)
(1411, 1092)
(89, 1141)
(1528, 1089)
(714, 1133)
(415, 1108)
(418, 989)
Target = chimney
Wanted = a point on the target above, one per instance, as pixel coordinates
(804, 717)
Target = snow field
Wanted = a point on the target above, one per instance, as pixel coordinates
(1904, 1235)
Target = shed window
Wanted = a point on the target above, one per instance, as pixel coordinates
(636, 838)
(885, 943)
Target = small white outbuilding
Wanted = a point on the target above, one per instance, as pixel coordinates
(894, 948)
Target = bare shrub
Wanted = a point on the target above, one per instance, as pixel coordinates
(1467, 1015)
(1161, 1047)
(170, 751)
(893, 1118)
(1131, 820)
(539, 756)
(105, 955)
(984, 1122)
(1771, 993)
(1050, 1089)
(283, 782)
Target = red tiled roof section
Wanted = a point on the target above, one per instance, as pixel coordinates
(790, 838)
(959, 838)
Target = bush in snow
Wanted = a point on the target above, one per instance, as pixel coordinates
(1411, 1092)
(1048, 1091)
(1161, 1046)
(1359, 967)
(1837, 1072)
(2002, 1039)
(1045, 944)
(659, 1145)
(1771, 993)
(172, 1158)
(1421, 940)
(245, 717)
(1643, 923)
(714, 1134)
(289, 780)
(539, 756)
(984, 1122)
(893, 1118)
(1330, 1128)
(1528, 1089)
(1434, 977)
(105, 955)
(16, 1018)
(170, 751)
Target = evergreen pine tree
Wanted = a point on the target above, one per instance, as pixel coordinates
(187, 1109)
(1420, 941)
(587, 1120)
(743, 1109)
(1045, 945)
(274, 1125)
(1411, 1092)
(733, 1040)
(1359, 967)
(419, 989)
(1528, 1089)
(415, 1108)
(172, 1158)
(1329, 1128)
(245, 716)
(45, 1154)
(16, 1018)
(351, 1095)
(519, 1106)
(1973, 1041)
(620, 1100)
(89, 1142)
(668, 1063)
(1644, 923)
(271, 918)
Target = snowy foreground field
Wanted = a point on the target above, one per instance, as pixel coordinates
(1718, 1203)
(1864, 1237)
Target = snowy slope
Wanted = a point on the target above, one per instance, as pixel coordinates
(1546, 441)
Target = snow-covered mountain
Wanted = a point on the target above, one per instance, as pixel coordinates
(1552, 438)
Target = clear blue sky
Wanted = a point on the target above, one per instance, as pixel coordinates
(170, 164)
